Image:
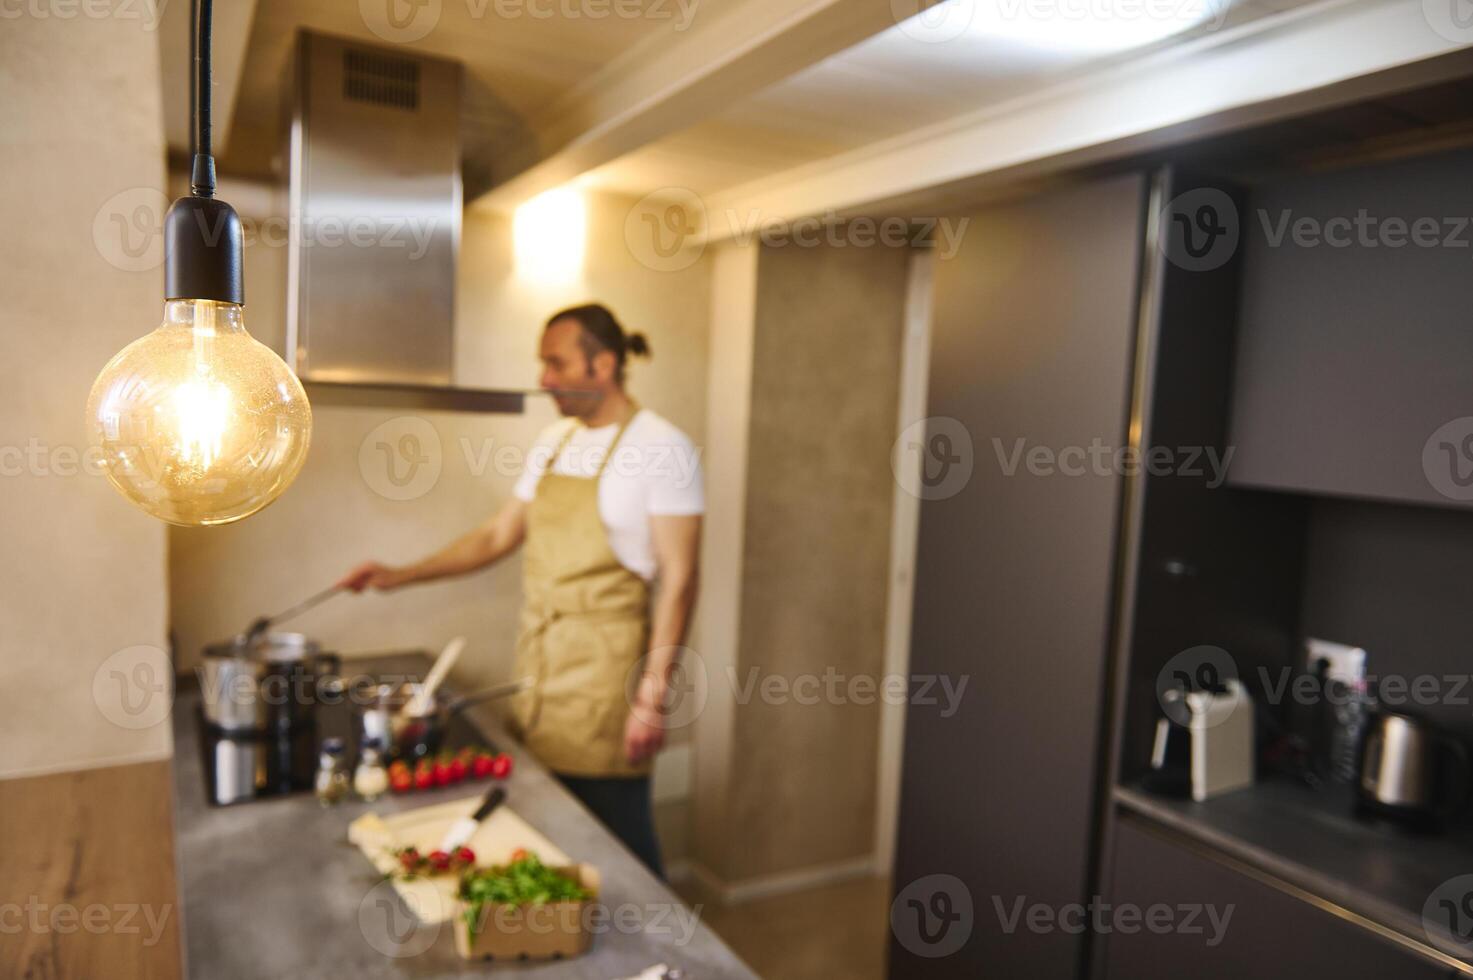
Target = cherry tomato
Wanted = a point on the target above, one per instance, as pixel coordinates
(501, 766)
(458, 769)
(442, 774)
(439, 860)
(464, 855)
(401, 782)
(423, 779)
(482, 766)
(410, 859)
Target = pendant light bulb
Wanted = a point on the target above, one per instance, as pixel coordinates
(198, 422)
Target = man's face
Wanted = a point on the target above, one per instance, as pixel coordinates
(578, 383)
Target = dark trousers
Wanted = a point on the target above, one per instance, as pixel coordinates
(625, 807)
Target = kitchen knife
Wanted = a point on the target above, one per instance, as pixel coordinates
(465, 828)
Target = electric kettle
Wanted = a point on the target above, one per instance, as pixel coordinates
(1410, 770)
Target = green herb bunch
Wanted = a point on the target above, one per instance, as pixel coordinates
(526, 881)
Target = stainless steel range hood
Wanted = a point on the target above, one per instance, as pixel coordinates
(375, 191)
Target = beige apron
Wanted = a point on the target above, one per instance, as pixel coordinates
(585, 625)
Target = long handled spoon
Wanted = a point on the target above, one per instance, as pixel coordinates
(263, 623)
(424, 698)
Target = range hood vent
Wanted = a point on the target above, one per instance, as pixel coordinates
(382, 79)
(374, 188)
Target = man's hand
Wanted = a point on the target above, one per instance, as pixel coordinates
(641, 739)
(372, 575)
(644, 733)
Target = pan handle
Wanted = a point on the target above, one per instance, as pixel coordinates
(459, 702)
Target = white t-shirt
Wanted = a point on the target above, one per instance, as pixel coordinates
(656, 469)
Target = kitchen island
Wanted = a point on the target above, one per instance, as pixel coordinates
(272, 888)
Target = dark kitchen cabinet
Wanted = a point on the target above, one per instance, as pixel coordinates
(1070, 319)
(1033, 337)
(1251, 570)
(1209, 564)
(1267, 933)
(1355, 358)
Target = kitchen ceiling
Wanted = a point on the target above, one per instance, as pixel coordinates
(902, 79)
(710, 96)
(516, 66)
(879, 89)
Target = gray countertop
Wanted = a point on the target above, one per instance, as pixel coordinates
(272, 888)
(1309, 839)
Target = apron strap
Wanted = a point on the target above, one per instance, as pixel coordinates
(634, 410)
(573, 429)
(562, 444)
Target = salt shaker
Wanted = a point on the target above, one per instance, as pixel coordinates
(370, 780)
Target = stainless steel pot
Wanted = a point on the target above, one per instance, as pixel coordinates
(385, 722)
(265, 683)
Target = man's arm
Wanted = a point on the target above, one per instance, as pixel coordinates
(677, 544)
(487, 544)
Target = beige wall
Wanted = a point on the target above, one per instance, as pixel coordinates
(728, 425)
(83, 575)
(825, 386)
(784, 786)
(334, 516)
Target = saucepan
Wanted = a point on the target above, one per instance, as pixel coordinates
(389, 719)
(266, 682)
(263, 680)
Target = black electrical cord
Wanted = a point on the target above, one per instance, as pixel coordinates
(202, 171)
(202, 234)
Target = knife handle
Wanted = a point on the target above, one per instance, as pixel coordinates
(493, 800)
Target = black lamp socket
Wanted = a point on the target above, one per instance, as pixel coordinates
(202, 251)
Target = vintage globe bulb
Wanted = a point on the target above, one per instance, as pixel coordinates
(198, 422)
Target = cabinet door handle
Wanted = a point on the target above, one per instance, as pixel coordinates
(1178, 569)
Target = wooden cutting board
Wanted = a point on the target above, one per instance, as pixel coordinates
(433, 899)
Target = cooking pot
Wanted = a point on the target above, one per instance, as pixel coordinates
(384, 720)
(263, 683)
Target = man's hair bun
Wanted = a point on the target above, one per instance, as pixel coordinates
(601, 332)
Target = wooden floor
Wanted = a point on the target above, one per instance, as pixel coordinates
(833, 931)
(87, 865)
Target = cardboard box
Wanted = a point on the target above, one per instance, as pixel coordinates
(558, 930)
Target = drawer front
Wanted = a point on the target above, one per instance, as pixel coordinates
(1263, 933)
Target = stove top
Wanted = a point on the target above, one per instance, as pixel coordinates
(241, 767)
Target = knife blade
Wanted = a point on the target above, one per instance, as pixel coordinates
(465, 828)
